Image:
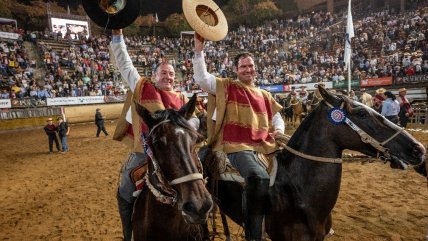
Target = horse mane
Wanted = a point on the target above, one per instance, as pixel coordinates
(305, 125)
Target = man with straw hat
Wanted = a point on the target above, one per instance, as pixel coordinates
(247, 120)
(406, 110)
(51, 130)
(131, 129)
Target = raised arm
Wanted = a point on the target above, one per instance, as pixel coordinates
(204, 79)
(123, 61)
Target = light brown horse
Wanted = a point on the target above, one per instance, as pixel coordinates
(175, 203)
(297, 106)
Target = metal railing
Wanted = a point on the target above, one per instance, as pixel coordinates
(29, 113)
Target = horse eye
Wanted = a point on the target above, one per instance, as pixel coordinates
(362, 113)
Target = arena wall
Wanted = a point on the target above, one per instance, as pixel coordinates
(74, 114)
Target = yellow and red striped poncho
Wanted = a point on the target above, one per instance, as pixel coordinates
(151, 98)
(243, 118)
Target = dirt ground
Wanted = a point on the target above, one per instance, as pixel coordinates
(72, 196)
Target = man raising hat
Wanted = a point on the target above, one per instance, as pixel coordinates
(247, 120)
(131, 129)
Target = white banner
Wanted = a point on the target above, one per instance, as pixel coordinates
(9, 35)
(5, 104)
(83, 100)
(312, 86)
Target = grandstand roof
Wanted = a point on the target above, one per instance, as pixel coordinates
(9, 21)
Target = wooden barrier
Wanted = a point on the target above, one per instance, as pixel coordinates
(36, 117)
(419, 118)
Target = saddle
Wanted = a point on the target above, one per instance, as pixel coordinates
(137, 177)
(221, 169)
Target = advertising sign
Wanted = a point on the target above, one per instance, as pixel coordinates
(376, 81)
(9, 35)
(413, 79)
(272, 88)
(5, 104)
(83, 100)
(355, 84)
(309, 86)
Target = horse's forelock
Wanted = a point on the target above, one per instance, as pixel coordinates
(176, 119)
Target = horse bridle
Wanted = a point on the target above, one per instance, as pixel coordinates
(172, 197)
(382, 151)
(382, 154)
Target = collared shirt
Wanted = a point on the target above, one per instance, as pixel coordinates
(390, 107)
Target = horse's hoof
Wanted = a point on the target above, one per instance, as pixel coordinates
(330, 233)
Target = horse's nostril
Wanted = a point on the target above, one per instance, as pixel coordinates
(418, 150)
(189, 208)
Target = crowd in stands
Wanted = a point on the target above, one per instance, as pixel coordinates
(304, 49)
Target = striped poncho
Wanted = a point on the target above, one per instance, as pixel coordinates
(243, 118)
(151, 98)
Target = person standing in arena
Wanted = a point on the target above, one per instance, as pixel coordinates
(51, 130)
(247, 120)
(99, 121)
(63, 132)
(406, 110)
(130, 128)
(390, 107)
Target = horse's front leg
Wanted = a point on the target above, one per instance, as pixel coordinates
(295, 227)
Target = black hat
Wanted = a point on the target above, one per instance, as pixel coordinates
(123, 12)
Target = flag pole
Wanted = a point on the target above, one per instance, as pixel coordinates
(349, 77)
(348, 49)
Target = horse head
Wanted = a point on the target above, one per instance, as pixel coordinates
(175, 173)
(360, 128)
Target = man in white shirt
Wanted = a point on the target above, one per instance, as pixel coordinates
(232, 113)
(153, 97)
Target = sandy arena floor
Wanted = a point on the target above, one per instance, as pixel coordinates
(72, 196)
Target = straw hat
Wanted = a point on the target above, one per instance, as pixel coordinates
(115, 15)
(206, 18)
(380, 91)
(402, 90)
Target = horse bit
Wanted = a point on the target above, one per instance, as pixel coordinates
(158, 173)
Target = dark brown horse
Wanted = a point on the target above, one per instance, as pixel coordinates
(175, 204)
(306, 181)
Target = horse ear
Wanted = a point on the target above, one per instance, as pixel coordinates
(145, 115)
(189, 108)
(329, 97)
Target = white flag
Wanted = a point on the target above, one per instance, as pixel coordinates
(156, 19)
(349, 36)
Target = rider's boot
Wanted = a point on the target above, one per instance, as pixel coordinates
(125, 212)
(255, 200)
